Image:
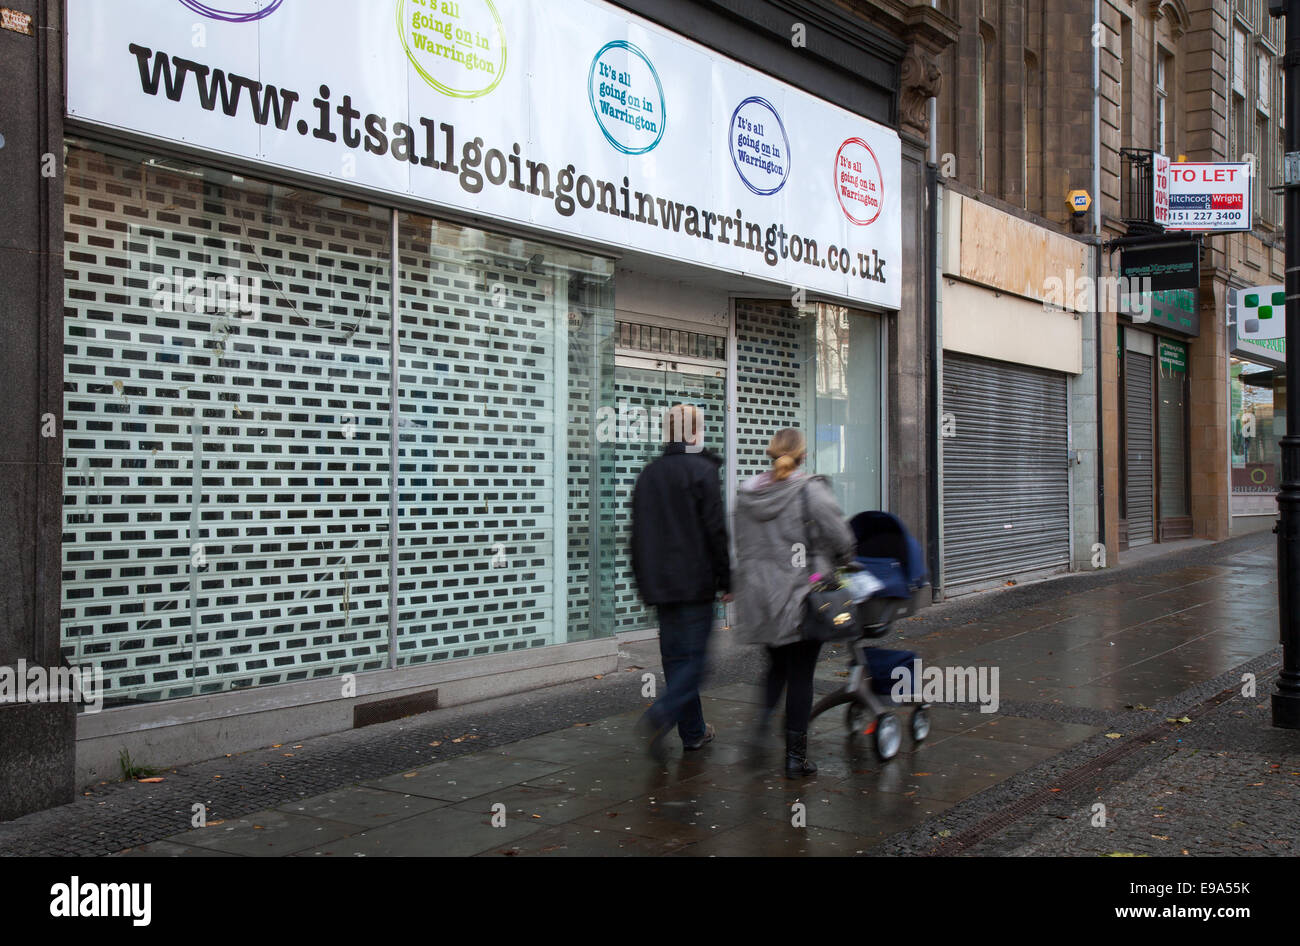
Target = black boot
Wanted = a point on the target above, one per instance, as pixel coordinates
(796, 755)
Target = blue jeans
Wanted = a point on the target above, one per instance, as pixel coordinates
(683, 642)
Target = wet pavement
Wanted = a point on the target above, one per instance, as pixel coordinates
(1084, 667)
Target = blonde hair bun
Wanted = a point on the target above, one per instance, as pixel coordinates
(786, 450)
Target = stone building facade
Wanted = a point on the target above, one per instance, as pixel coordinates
(1024, 125)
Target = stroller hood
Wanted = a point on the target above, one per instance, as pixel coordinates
(887, 550)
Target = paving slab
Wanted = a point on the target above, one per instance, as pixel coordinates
(765, 838)
(443, 832)
(265, 834)
(467, 777)
(362, 806)
(171, 849)
(579, 840)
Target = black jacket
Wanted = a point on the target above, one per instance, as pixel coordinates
(679, 531)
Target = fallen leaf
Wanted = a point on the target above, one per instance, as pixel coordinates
(1114, 735)
(436, 743)
(410, 775)
(599, 676)
(155, 779)
(213, 824)
(1160, 837)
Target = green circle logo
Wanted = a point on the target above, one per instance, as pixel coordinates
(457, 46)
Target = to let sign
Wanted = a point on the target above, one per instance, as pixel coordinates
(1209, 197)
(1160, 190)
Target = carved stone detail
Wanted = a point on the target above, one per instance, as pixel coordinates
(920, 79)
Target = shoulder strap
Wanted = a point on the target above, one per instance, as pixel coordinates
(808, 521)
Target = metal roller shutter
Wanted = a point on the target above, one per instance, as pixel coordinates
(1139, 491)
(1006, 488)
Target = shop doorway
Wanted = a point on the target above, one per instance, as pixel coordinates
(655, 367)
(1137, 521)
(1155, 464)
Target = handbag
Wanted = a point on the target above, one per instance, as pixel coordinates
(829, 611)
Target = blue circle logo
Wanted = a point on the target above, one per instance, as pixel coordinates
(760, 148)
(626, 97)
(243, 12)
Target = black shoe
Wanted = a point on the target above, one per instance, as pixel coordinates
(709, 733)
(796, 755)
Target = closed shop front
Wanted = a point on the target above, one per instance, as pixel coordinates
(1013, 354)
(1006, 497)
(363, 393)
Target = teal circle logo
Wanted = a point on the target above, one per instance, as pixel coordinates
(626, 97)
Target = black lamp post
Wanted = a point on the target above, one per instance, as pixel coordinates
(1286, 698)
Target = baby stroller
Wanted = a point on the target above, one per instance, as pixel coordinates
(887, 551)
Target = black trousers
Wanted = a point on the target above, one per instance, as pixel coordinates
(791, 669)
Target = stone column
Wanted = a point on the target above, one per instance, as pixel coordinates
(1208, 407)
(37, 740)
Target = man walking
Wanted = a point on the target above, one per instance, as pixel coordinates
(681, 562)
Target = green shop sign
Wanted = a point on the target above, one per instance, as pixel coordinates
(1173, 357)
(1169, 308)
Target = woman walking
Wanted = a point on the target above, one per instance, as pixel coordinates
(788, 528)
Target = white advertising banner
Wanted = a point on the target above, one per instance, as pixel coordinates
(575, 117)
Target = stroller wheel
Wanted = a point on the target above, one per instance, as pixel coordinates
(853, 718)
(889, 736)
(920, 723)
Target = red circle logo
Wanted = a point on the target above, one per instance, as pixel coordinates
(859, 185)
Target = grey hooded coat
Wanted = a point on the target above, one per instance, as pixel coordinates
(777, 552)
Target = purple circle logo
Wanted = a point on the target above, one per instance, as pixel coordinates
(244, 12)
